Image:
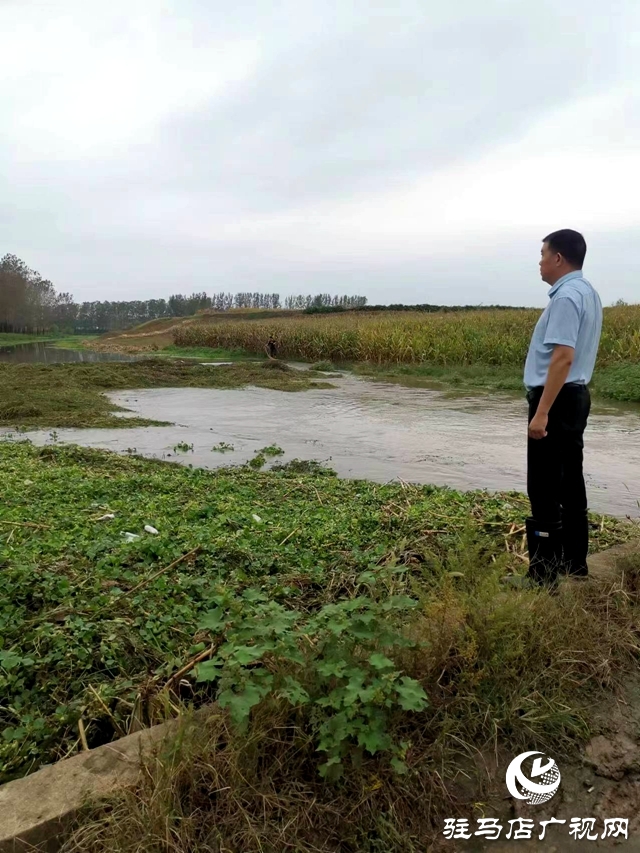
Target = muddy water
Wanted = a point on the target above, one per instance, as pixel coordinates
(46, 354)
(373, 430)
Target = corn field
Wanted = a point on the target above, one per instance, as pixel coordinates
(473, 337)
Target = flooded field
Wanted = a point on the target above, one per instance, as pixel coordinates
(374, 430)
(45, 353)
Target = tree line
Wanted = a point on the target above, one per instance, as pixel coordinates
(426, 308)
(30, 304)
(324, 301)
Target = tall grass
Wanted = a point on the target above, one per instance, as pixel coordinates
(474, 337)
(504, 672)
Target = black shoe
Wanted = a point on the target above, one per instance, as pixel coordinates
(545, 551)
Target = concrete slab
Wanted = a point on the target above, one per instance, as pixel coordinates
(35, 811)
(606, 564)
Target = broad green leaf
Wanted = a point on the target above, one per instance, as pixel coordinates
(10, 733)
(254, 595)
(208, 671)
(240, 704)
(374, 741)
(411, 695)
(329, 668)
(399, 602)
(379, 661)
(332, 768)
(10, 660)
(248, 654)
(294, 692)
(214, 620)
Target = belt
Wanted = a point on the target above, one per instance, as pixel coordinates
(540, 388)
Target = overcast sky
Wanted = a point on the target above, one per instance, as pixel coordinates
(407, 151)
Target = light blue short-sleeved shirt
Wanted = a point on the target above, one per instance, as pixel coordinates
(573, 318)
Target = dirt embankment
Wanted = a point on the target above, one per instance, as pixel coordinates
(152, 336)
(158, 334)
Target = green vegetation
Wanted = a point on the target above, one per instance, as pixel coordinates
(272, 450)
(262, 456)
(8, 339)
(615, 382)
(183, 447)
(325, 366)
(484, 348)
(66, 341)
(203, 353)
(423, 308)
(73, 341)
(352, 642)
(72, 395)
(222, 447)
(486, 337)
(361, 626)
(95, 626)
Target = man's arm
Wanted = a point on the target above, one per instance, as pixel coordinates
(561, 362)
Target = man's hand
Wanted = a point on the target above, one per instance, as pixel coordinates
(561, 362)
(538, 426)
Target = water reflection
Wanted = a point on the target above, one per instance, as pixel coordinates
(44, 353)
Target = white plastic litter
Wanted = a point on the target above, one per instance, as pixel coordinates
(256, 517)
(130, 537)
(150, 529)
(107, 517)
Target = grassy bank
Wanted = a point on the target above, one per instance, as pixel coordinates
(67, 341)
(347, 629)
(166, 349)
(74, 341)
(72, 395)
(8, 339)
(206, 354)
(614, 382)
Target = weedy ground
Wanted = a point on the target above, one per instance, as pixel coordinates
(620, 382)
(66, 341)
(72, 395)
(472, 349)
(355, 638)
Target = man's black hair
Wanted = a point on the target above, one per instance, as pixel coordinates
(570, 244)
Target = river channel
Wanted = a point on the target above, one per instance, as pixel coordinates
(375, 430)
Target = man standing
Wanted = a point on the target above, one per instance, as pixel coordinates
(559, 367)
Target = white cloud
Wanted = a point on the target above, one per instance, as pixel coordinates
(347, 146)
(84, 83)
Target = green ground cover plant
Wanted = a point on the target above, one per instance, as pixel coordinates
(335, 607)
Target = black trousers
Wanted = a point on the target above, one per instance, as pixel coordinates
(555, 480)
